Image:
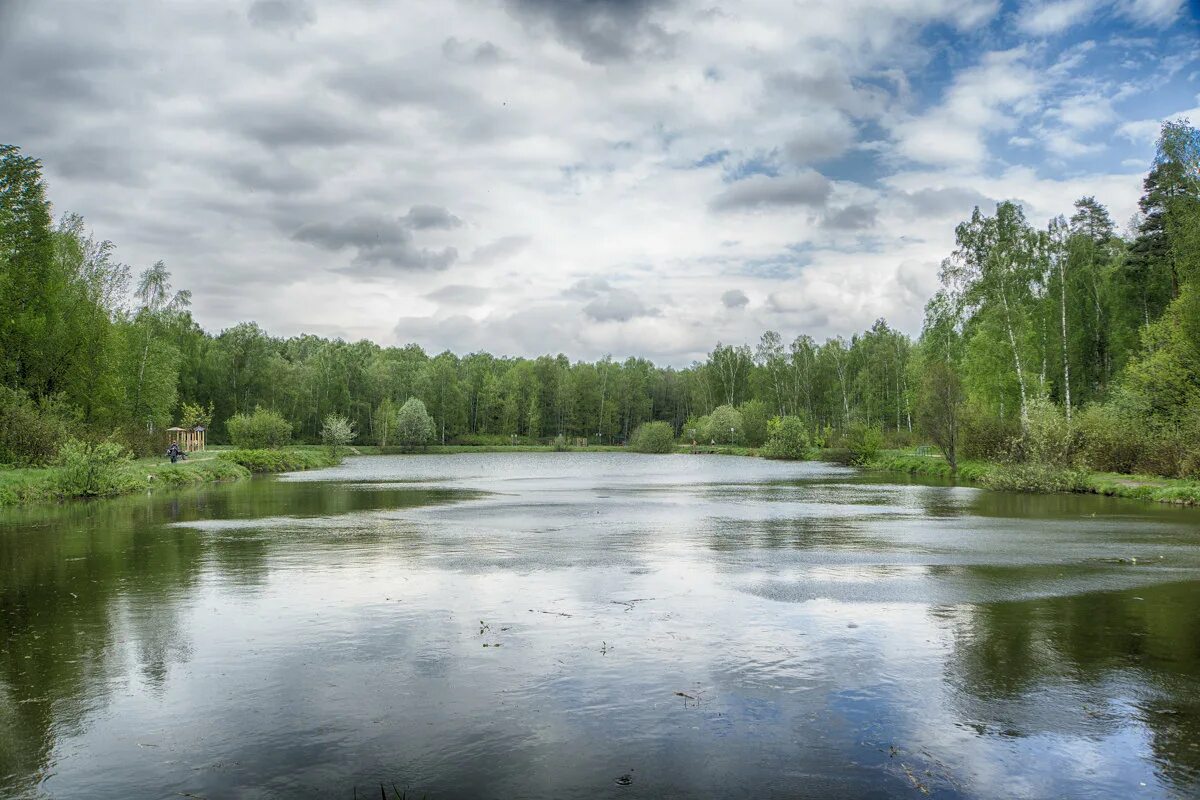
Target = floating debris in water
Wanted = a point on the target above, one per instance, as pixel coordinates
(629, 603)
(625, 780)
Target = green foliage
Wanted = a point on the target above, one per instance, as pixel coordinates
(1045, 457)
(1069, 309)
(1047, 437)
(864, 443)
(787, 438)
(264, 428)
(31, 432)
(932, 466)
(289, 460)
(414, 425)
(336, 433)
(722, 426)
(754, 422)
(383, 422)
(986, 436)
(653, 437)
(194, 415)
(90, 469)
(1037, 477)
(192, 473)
(560, 444)
(1114, 440)
(939, 408)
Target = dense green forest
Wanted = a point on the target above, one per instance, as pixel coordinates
(1071, 324)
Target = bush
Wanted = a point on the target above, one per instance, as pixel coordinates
(560, 444)
(1113, 441)
(336, 432)
(653, 437)
(1047, 437)
(986, 437)
(722, 426)
(755, 418)
(787, 437)
(1189, 440)
(1044, 458)
(263, 428)
(90, 469)
(31, 432)
(863, 442)
(141, 442)
(1036, 477)
(414, 425)
(280, 460)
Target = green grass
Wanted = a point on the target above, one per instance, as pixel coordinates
(930, 466)
(39, 485)
(1136, 487)
(292, 459)
(34, 485)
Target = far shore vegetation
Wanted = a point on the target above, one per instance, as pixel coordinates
(1058, 357)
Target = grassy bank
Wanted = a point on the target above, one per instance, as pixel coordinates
(292, 459)
(1135, 487)
(40, 485)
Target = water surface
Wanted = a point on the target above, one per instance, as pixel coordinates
(599, 625)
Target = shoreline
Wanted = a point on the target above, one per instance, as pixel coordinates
(34, 486)
(27, 487)
(1152, 488)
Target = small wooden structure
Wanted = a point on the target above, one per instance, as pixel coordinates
(189, 439)
(581, 441)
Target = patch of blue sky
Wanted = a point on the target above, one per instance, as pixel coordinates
(863, 164)
(710, 159)
(762, 163)
(788, 263)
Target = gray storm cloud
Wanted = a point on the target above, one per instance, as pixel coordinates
(761, 191)
(382, 243)
(734, 298)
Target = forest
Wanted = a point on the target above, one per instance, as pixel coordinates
(1070, 340)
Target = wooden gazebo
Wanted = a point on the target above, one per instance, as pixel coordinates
(188, 439)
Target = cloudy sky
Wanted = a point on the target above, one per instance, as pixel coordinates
(582, 176)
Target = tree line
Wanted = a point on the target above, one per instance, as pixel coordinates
(1074, 313)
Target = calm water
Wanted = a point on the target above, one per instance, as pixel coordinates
(599, 625)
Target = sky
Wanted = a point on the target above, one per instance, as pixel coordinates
(634, 177)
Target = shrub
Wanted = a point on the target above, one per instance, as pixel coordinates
(755, 417)
(863, 442)
(194, 415)
(722, 426)
(141, 442)
(1036, 477)
(560, 444)
(279, 460)
(1047, 437)
(1113, 441)
(787, 437)
(653, 437)
(31, 432)
(1044, 457)
(986, 437)
(263, 428)
(336, 432)
(414, 425)
(1189, 444)
(90, 469)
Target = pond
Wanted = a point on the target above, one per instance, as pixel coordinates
(586, 625)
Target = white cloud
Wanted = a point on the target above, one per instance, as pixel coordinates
(1157, 13)
(1047, 18)
(988, 97)
(446, 172)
